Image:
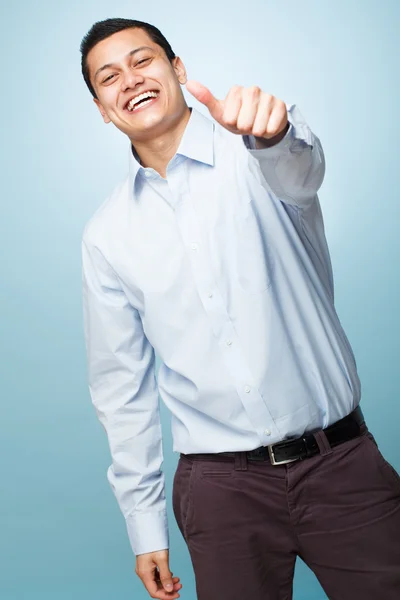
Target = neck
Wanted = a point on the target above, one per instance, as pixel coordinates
(157, 152)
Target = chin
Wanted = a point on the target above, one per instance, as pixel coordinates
(149, 124)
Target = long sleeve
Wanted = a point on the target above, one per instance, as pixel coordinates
(295, 167)
(124, 393)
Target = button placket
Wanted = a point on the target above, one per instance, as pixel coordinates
(219, 318)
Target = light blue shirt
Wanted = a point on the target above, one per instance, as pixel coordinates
(223, 269)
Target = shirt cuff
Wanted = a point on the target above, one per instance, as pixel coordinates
(297, 137)
(148, 531)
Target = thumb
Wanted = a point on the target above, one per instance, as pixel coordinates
(165, 574)
(203, 95)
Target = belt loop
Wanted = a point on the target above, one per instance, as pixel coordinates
(323, 443)
(240, 461)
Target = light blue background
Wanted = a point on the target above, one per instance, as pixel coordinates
(61, 533)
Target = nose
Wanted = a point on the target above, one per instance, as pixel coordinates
(131, 79)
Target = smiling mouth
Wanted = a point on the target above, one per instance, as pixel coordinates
(141, 100)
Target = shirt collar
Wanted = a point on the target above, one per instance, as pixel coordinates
(197, 143)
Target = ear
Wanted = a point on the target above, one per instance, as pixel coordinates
(103, 113)
(180, 70)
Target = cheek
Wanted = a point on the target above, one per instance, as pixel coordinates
(111, 97)
(111, 104)
(174, 91)
(163, 77)
(105, 99)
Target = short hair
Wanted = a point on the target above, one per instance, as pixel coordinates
(104, 29)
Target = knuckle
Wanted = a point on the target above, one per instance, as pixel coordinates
(245, 127)
(255, 91)
(258, 131)
(280, 108)
(272, 130)
(235, 91)
(229, 120)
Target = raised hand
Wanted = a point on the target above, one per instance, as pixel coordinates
(245, 111)
(153, 569)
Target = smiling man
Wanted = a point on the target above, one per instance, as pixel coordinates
(212, 253)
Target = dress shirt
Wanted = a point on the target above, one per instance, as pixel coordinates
(223, 270)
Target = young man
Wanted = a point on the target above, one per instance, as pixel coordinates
(212, 252)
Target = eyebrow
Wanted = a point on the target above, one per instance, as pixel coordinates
(131, 53)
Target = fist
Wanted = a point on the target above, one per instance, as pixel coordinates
(245, 111)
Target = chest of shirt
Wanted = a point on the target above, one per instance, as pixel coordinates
(223, 220)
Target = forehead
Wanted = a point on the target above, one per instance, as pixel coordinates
(115, 48)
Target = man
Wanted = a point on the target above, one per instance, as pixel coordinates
(212, 253)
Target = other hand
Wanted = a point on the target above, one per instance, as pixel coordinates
(153, 569)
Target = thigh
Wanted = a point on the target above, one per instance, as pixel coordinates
(237, 529)
(351, 536)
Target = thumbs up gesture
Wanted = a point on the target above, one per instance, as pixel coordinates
(245, 111)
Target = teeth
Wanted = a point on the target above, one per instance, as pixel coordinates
(144, 103)
(134, 101)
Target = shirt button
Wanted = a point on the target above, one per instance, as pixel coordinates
(147, 174)
(267, 432)
(210, 295)
(247, 389)
(194, 246)
(229, 342)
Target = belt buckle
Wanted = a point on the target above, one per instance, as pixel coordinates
(278, 462)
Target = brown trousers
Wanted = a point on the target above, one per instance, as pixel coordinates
(245, 522)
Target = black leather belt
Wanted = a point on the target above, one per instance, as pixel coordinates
(288, 451)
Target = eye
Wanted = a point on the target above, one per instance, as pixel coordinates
(108, 78)
(143, 60)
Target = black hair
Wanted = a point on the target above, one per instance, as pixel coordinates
(104, 29)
